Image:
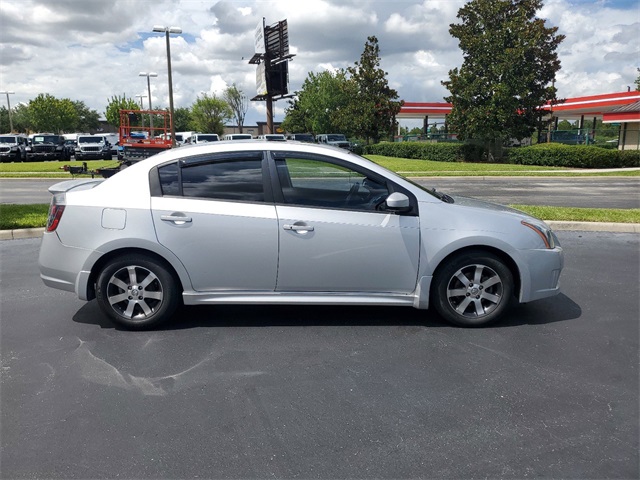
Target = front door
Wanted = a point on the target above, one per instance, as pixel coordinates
(332, 236)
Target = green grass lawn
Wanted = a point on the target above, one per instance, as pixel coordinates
(406, 167)
(23, 216)
(428, 168)
(49, 169)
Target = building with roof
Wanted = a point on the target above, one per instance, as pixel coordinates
(628, 117)
(616, 108)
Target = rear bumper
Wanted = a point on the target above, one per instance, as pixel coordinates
(61, 266)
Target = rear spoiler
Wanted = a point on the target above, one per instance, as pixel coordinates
(77, 184)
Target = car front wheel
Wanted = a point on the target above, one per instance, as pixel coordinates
(137, 291)
(473, 289)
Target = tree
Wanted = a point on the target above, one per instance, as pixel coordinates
(20, 115)
(181, 119)
(87, 120)
(507, 74)
(237, 100)
(315, 107)
(49, 114)
(112, 113)
(637, 80)
(372, 108)
(209, 114)
(4, 120)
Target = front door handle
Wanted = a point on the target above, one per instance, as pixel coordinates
(298, 228)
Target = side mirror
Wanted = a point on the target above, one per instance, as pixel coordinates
(397, 202)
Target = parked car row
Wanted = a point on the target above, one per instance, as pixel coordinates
(50, 146)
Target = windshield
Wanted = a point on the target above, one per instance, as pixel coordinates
(46, 139)
(8, 140)
(303, 138)
(431, 190)
(208, 138)
(241, 137)
(90, 139)
(336, 138)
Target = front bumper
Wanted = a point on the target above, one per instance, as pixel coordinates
(80, 155)
(45, 155)
(542, 278)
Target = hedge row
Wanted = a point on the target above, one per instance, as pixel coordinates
(547, 154)
(438, 152)
(573, 156)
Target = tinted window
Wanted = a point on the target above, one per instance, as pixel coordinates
(169, 180)
(225, 180)
(321, 183)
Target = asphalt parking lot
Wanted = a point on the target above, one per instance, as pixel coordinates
(331, 392)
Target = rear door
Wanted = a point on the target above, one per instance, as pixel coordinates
(216, 214)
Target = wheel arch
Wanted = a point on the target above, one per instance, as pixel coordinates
(501, 254)
(99, 265)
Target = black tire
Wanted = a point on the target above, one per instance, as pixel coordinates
(482, 298)
(137, 291)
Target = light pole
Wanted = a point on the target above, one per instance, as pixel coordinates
(167, 31)
(149, 74)
(7, 93)
(141, 97)
(141, 108)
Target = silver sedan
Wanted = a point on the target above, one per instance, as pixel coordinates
(287, 223)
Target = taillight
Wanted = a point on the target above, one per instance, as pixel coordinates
(56, 209)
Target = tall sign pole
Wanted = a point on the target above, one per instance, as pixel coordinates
(271, 57)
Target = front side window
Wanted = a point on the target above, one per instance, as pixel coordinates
(234, 179)
(320, 183)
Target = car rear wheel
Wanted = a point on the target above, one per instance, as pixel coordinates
(137, 291)
(473, 289)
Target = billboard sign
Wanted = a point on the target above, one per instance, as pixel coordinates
(261, 80)
(259, 38)
(276, 38)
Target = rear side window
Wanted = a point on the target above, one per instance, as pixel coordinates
(169, 180)
(236, 179)
(233, 180)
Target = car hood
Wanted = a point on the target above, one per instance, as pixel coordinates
(482, 204)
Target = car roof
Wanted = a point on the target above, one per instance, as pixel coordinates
(137, 175)
(186, 151)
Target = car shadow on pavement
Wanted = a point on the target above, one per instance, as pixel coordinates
(550, 310)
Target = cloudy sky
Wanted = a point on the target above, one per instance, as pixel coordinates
(90, 50)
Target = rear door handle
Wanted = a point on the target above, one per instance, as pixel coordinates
(178, 220)
(298, 228)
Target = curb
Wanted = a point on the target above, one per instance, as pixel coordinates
(554, 224)
(594, 226)
(21, 233)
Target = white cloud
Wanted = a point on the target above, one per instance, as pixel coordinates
(90, 50)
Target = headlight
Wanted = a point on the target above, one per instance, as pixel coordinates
(544, 232)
